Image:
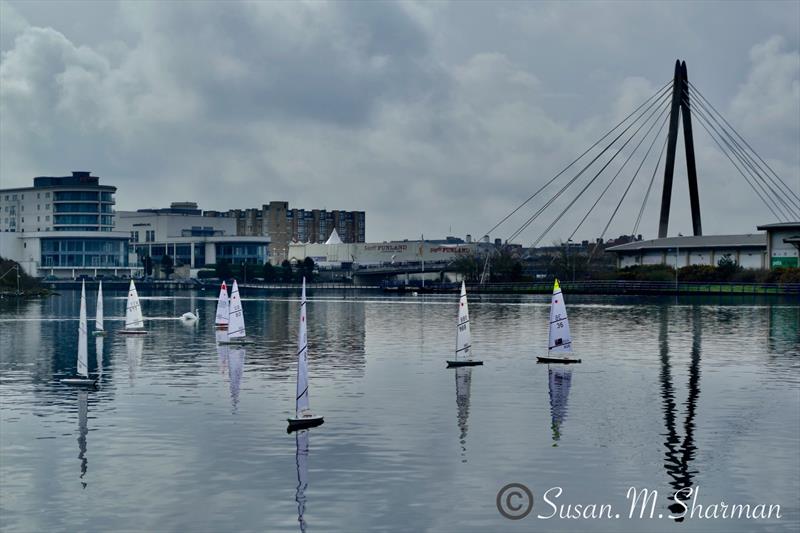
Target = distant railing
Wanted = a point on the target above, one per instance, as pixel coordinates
(641, 287)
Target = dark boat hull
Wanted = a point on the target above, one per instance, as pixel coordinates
(562, 360)
(454, 364)
(296, 424)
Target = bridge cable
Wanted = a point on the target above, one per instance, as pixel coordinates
(533, 217)
(768, 190)
(647, 133)
(649, 187)
(563, 212)
(747, 160)
(696, 91)
(702, 123)
(658, 94)
(630, 183)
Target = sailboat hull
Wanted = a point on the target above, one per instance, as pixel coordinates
(79, 382)
(221, 326)
(565, 360)
(99, 333)
(304, 423)
(132, 332)
(466, 362)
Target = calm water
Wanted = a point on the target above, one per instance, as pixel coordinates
(182, 437)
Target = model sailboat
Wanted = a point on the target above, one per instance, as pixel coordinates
(82, 378)
(463, 335)
(99, 331)
(560, 341)
(236, 332)
(303, 417)
(134, 321)
(221, 321)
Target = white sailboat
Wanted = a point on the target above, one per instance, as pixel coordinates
(134, 321)
(463, 336)
(223, 304)
(236, 332)
(560, 341)
(82, 377)
(301, 458)
(303, 418)
(99, 330)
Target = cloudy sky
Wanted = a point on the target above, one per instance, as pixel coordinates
(434, 118)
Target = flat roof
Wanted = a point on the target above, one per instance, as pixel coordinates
(757, 240)
(780, 225)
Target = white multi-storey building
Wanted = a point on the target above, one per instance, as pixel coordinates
(64, 227)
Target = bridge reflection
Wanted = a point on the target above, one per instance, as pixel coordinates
(680, 451)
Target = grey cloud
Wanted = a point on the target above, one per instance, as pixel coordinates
(427, 116)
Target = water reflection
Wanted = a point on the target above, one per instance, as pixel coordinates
(98, 346)
(559, 381)
(235, 371)
(222, 351)
(83, 430)
(463, 382)
(679, 452)
(301, 459)
(134, 346)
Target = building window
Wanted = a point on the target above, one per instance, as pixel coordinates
(47, 218)
(47, 195)
(38, 207)
(47, 207)
(38, 195)
(150, 235)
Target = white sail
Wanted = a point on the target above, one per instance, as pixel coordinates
(301, 458)
(560, 340)
(463, 336)
(235, 316)
(133, 310)
(98, 319)
(235, 371)
(83, 348)
(222, 306)
(302, 358)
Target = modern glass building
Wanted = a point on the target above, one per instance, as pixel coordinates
(64, 227)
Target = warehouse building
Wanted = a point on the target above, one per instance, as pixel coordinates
(749, 251)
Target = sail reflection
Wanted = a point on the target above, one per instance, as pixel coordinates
(134, 346)
(235, 371)
(83, 430)
(679, 451)
(463, 382)
(98, 344)
(560, 380)
(301, 458)
(222, 350)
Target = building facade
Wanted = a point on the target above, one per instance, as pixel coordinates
(783, 244)
(285, 225)
(63, 227)
(749, 251)
(189, 238)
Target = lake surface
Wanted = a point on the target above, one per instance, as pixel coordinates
(184, 436)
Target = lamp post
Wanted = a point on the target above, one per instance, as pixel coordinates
(569, 245)
(677, 251)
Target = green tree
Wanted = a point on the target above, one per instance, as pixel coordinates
(286, 271)
(307, 269)
(269, 272)
(167, 266)
(223, 269)
(727, 267)
(468, 266)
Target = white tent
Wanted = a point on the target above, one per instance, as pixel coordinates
(334, 238)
